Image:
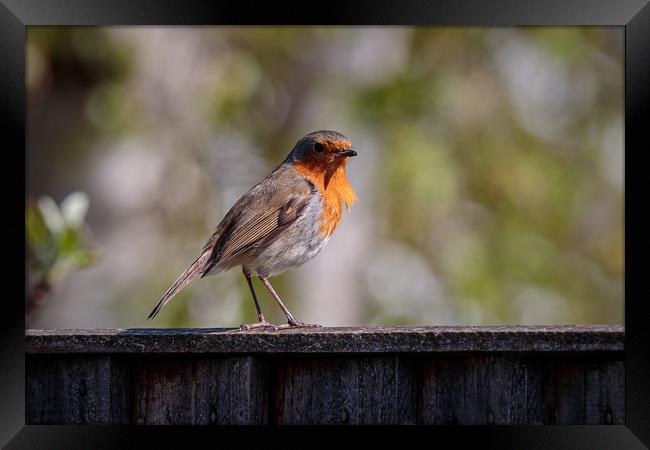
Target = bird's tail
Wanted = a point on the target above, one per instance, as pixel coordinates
(195, 268)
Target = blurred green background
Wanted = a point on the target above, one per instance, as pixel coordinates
(489, 175)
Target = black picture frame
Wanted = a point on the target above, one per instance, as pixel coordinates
(632, 15)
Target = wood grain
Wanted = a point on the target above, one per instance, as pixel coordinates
(76, 390)
(402, 375)
(408, 339)
(182, 390)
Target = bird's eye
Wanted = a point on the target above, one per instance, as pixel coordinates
(319, 148)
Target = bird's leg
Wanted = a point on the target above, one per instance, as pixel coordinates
(262, 323)
(292, 322)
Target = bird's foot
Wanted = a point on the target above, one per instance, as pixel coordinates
(261, 324)
(297, 324)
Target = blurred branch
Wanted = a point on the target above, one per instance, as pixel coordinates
(58, 244)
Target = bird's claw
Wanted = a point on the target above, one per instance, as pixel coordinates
(252, 326)
(297, 324)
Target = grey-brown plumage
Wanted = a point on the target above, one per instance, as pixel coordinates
(273, 226)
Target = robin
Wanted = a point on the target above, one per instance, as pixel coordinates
(282, 222)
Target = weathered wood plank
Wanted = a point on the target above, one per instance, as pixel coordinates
(474, 390)
(220, 391)
(582, 338)
(76, 390)
(565, 392)
(410, 375)
(604, 392)
(346, 390)
(521, 390)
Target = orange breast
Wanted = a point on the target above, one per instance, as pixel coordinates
(334, 188)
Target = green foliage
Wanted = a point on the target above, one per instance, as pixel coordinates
(58, 238)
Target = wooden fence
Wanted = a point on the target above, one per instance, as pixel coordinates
(399, 375)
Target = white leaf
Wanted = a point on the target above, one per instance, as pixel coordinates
(74, 208)
(51, 214)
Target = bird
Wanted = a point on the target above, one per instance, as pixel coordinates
(282, 222)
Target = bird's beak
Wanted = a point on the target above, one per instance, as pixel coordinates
(346, 153)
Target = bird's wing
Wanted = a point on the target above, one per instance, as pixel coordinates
(263, 229)
(262, 219)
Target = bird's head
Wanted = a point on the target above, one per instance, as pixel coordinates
(321, 157)
(322, 150)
